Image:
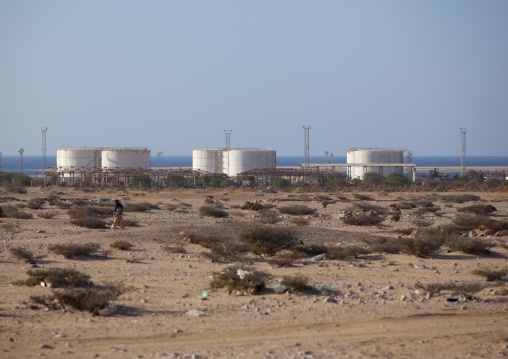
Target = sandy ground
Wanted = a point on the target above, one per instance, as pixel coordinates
(374, 312)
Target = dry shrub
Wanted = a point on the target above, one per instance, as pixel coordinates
(22, 254)
(240, 281)
(362, 197)
(171, 207)
(322, 197)
(311, 250)
(82, 299)
(491, 275)
(424, 210)
(364, 219)
(300, 221)
(57, 278)
(75, 250)
(338, 253)
(459, 198)
(87, 216)
(227, 249)
(477, 221)
(478, 209)
(250, 206)
(297, 284)
(129, 223)
(421, 246)
(63, 205)
(35, 203)
(46, 215)
(177, 248)
(14, 212)
(445, 231)
(422, 223)
(470, 245)
(382, 245)
(212, 211)
(268, 217)
(405, 231)
(122, 245)
(210, 256)
(406, 205)
(465, 289)
(367, 207)
(140, 207)
(281, 262)
(296, 210)
(423, 203)
(267, 240)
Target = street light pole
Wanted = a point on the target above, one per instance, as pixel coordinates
(159, 154)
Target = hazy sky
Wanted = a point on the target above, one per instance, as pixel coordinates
(173, 75)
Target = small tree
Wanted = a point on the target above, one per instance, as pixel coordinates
(141, 180)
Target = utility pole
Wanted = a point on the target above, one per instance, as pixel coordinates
(326, 154)
(463, 152)
(306, 145)
(21, 160)
(44, 152)
(159, 154)
(331, 155)
(228, 138)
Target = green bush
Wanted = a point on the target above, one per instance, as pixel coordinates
(372, 178)
(397, 179)
(57, 278)
(256, 206)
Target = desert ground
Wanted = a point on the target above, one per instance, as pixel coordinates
(372, 304)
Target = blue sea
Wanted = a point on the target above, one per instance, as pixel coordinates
(34, 163)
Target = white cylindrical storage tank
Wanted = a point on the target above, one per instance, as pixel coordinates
(238, 160)
(207, 160)
(364, 160)
(126, 158)
(72, 158)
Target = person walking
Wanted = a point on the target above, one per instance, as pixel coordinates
(118, 215)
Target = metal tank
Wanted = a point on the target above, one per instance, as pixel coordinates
(378, 160)
(73, 158)
(238, 160)
(209, 160)
(125, 158)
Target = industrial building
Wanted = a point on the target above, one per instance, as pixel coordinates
(233, 161)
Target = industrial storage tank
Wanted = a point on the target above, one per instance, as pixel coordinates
(232, 161)
(238, 160)
(125, 158)
(209, 160)
(378, 160)
(74, 158)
